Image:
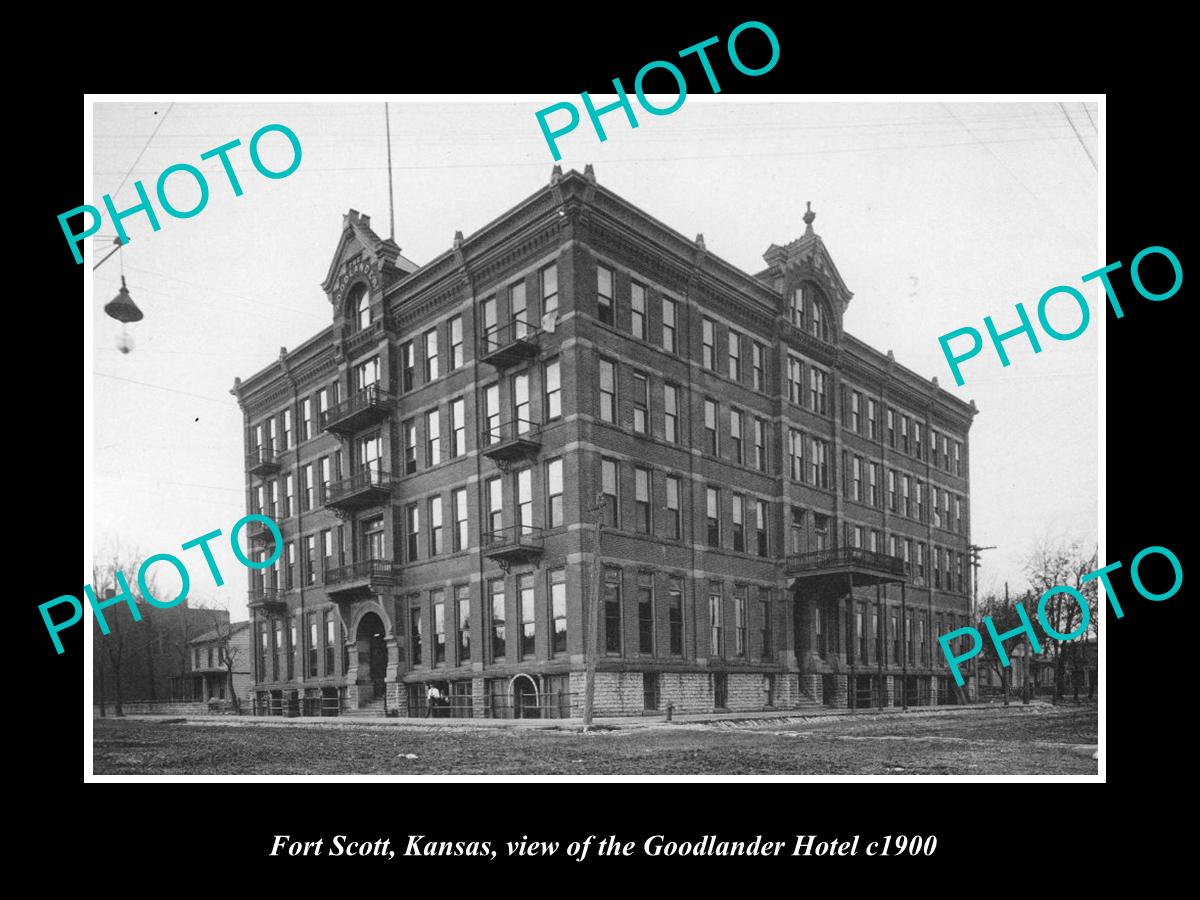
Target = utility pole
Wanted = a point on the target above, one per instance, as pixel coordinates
(592, 646)
(975, 550)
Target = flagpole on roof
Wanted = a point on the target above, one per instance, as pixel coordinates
(391, 208)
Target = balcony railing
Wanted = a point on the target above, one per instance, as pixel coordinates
(259, 532)
(262, 461)
(266, 598)
(370, 487)
(508, 344)
(808, 342)
(512, 440)
(371, 404)
(515, 544)
(846, 558)
(364, 574)
(366, 338)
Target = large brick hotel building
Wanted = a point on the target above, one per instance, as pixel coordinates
(785, 509)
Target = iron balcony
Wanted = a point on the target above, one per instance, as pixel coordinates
(262, 461)
(506, 345)
(852, 560)
(365, 407)
(370, 576)
(516, 544)
(370, 487)
(267, 599)
(510, 441)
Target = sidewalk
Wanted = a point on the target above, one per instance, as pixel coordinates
(574, 724)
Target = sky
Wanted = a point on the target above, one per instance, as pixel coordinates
(935, 214)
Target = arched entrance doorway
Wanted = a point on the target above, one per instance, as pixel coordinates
(525, 697)
(372, 652)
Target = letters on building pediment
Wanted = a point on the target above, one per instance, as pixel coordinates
(359, 268)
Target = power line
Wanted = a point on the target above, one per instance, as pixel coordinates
(1088, 113)
(1079, 136)
(144, 147)
(160, 387)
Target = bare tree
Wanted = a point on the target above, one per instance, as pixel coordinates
(226, 651)
(1063, 563)
(1005, 617)
(125, 637)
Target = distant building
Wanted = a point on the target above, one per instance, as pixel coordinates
(786, 509)
(208, 676)
(149, 655)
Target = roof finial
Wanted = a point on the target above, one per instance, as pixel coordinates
(808, 218)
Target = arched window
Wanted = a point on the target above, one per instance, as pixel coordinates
(818, 314)
(358, 306)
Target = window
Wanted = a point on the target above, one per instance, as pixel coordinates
(958, 457)
(369, 452)
(760, 525)
(487, 317)
(820, 532)
(714, 618)
(873, 484)
(935, 510)
(552, 383)
(893, 503)
(675, 613)
(437, 599)
(764, 618)
(674, 531)
(517, 311)
(314, 644)
(305, 419)
(549, 289)
(431, 355)
(920, 560)
(739, 533)
(710, 426)
(310, 559)
(856, 534)
(637, 310)
(918, 444)
(436, 544)
(816, 390)
(797, 530)
(373, 539)
(921, 501)
(458, 503)
(668, 325)
(608, 390)
(796, 307)
(860, 628)
(959, 573)
(558, 611)
(891, 428)
(491, 413)
(414, 634)
(796, 454)
(289, 565)
(526, 611)
(946, 453)
(735, 434)
(905, 490)
(641, 500)
(946, 509)
(760, 444)
(456, 343)
(306, 487)
(735, 355)
(872, 423)
(795, 381)
(525, 501)
(904, 434)
(645, 601)
(604, 295)
(458, 427)
(894, 630)
(554, 493)
(819, 327)
(856, 478)
(412, 529)
(520, 400)
(407, 366)
(326, 551)
(608, 486)
(708, 354)
(671, 413)
(462, 598)
(612, 610)
(496, 606)
(856, 411)
(757, 353)
(958, 515)
(287, 430)
(819, 463)
(739, 621)
(713, 515)
(433, 438)
(641, 401)
(819, 630)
